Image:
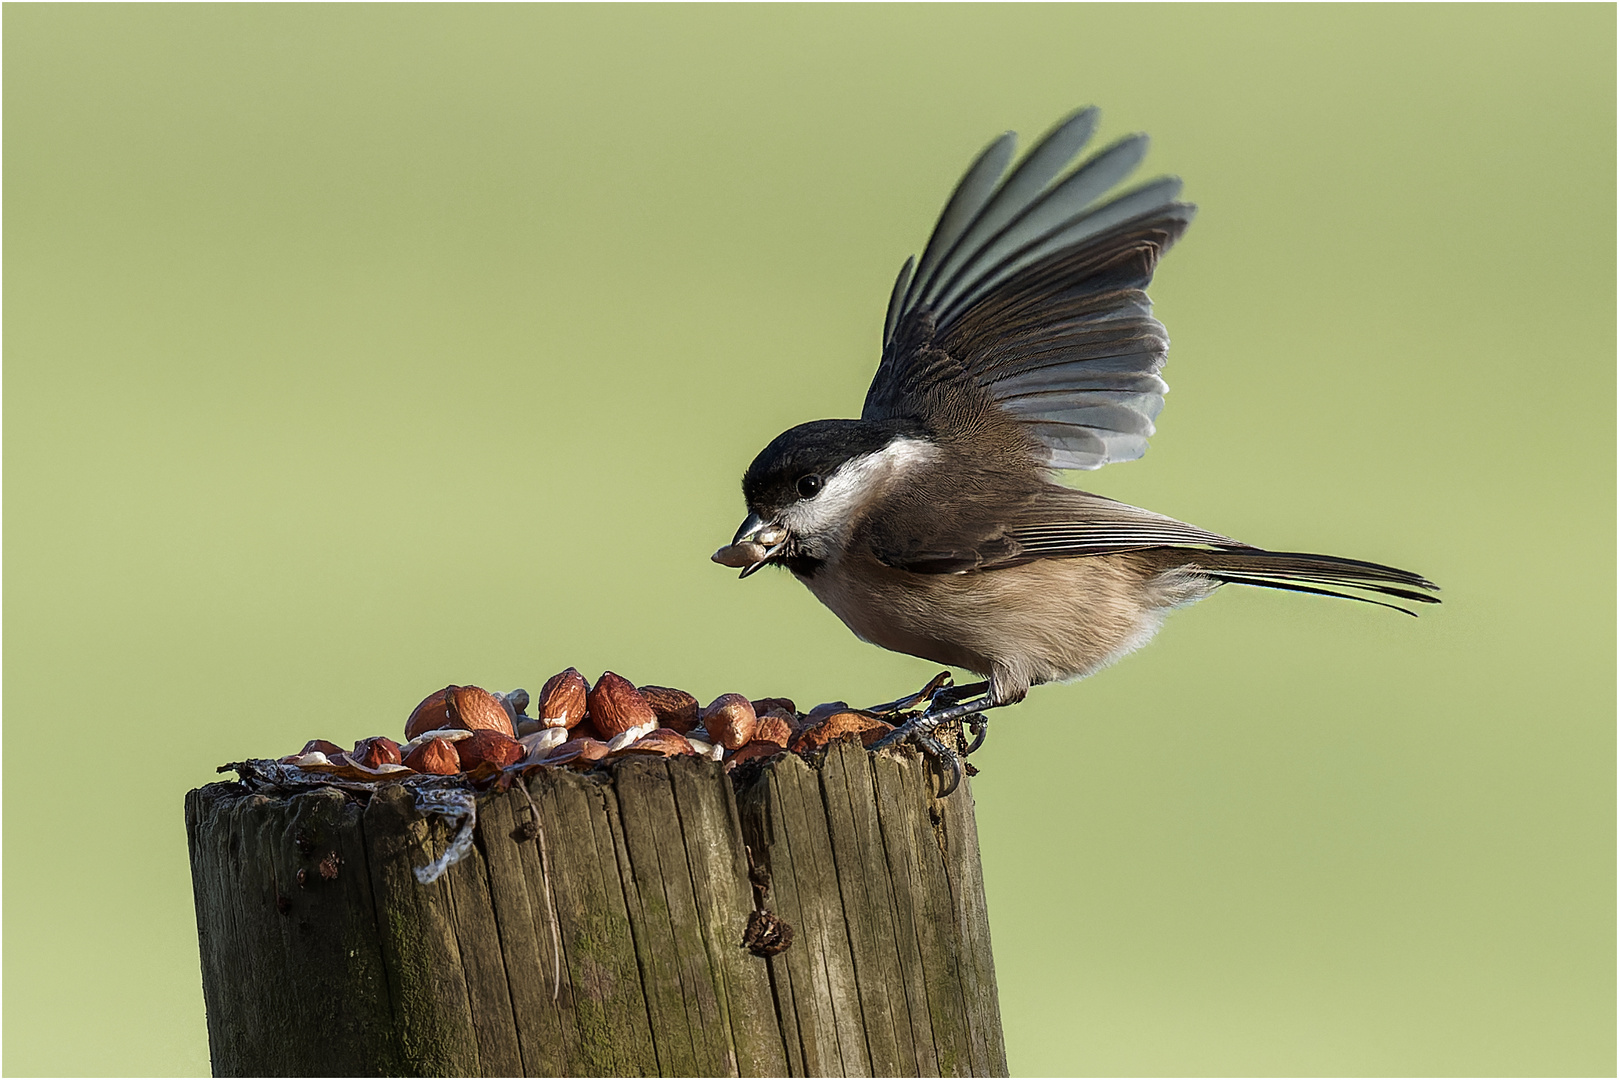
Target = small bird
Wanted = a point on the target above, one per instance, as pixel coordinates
(1021, 344)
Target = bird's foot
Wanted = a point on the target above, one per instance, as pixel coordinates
(923, 731)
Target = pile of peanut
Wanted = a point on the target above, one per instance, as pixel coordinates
(471, 731)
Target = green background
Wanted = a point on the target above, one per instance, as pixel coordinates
(351, 351)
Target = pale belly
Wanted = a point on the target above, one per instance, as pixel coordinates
(1042, 622)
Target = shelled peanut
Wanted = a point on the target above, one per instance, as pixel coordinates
(466, 730)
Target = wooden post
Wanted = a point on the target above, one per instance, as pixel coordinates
(322, 954)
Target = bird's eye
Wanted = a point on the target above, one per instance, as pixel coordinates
(809, 486)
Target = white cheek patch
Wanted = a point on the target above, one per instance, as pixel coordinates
(826, 519)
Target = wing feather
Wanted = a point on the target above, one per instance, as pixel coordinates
(896, 298)
(1014, 198)
(1050, 214)
(1045, 521)
(1032, 291)
(965, 203)
(1150, 198)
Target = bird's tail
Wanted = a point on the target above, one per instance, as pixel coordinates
(1301, 572)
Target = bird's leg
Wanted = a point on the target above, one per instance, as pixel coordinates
(950, 695)
(939, 689)
(940, 683)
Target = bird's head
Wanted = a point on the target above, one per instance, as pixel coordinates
(807, 489)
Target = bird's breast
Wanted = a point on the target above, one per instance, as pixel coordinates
(917, 614)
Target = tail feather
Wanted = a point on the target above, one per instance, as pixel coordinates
(1297, 571)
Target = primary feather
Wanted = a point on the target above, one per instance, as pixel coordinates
(1012, 198)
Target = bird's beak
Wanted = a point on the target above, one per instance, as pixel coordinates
(755, 544)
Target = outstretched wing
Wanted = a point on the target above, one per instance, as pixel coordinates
(1032, 291)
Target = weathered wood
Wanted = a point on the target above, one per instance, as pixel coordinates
(431, 1008)
(527, 945)
(719, 874)
(641, 895)
(277, 923)
(885, 880)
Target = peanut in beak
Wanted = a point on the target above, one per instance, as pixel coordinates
(738, 556)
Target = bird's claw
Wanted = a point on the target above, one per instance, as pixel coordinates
(977, 725)
(943, 757)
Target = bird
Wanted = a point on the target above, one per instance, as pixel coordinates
(1021, 346)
